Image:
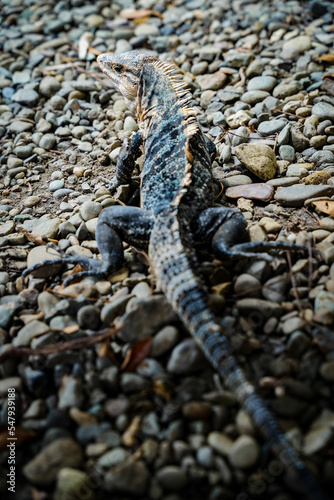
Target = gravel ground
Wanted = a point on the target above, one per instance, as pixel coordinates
(140, 413)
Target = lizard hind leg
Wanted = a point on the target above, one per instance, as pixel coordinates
(227, 230)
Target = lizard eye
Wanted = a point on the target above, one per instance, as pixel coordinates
(118, 68)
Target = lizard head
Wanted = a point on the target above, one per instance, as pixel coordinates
(124, 71)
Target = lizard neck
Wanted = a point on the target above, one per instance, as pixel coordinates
(163, 90)
(168, 122)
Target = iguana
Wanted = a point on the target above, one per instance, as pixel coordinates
(177, 196)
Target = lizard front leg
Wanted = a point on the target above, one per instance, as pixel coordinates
(115, 224)
(129, 153)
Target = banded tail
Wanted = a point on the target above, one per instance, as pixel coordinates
(174, 261)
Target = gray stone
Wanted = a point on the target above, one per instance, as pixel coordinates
(221, 443)
(164, 340)
(43, 469)
(113, 457)
(244, 452)
(144, 317)
(286, 89)
(18, 126)
(131, 382)
(27, 97)
(42, 253)
(296, 170)
(56, 185)
(90, 210)
(317, 439)
(47, 228)
(254, 96)
(320, 157)
(186, 358)
(114, 308)
(235, 59)
(47, 142)
(130, 125)
(271, 127)
(300, 43)
(71, 483)
(28, 332)
(247, 285)
(236, 180)
(292, 324)
(214, 81)
(299, 141)
(323, 110)
(266, 83)
(261, 307)
(70, 393)
(172, 477)
(287, 153)
(49, 85)
(298, 344)
(284, 135)
(324, 308)
(10, 383)
(132, 478)
(295, 196)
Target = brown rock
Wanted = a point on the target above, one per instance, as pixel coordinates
(43, 468)
(258, 158)
(196, 410)
(214, 81)
(258, 191)
(320, 177)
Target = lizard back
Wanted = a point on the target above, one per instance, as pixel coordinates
(176, 162)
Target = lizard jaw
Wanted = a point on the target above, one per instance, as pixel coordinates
(123, 77)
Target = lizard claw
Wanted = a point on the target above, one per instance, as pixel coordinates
(253, 250)
(112, 184)
(95, 267)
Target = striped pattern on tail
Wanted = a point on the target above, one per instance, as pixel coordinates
(174, 261)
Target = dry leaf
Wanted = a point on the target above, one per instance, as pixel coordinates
(107, 351)
(138, 352)
(94, 51)
(76, 269)
(221, 289)
(38, 495)
(38, 240)
(160, 389)
(325, 206)
(80, 343)
(21, 435)
(71, 329)
(75, 106)
(326, 58)
(328, 84)
(129, 436)
(140, 13)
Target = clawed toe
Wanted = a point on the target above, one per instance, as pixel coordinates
(84, 274)
(94, 266)
(111, 184)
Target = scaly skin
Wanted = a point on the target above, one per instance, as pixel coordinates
(177, 195)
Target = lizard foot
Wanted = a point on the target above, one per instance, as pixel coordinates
(256, 246)
(112, 184)
(95, 267)
(254, 249)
